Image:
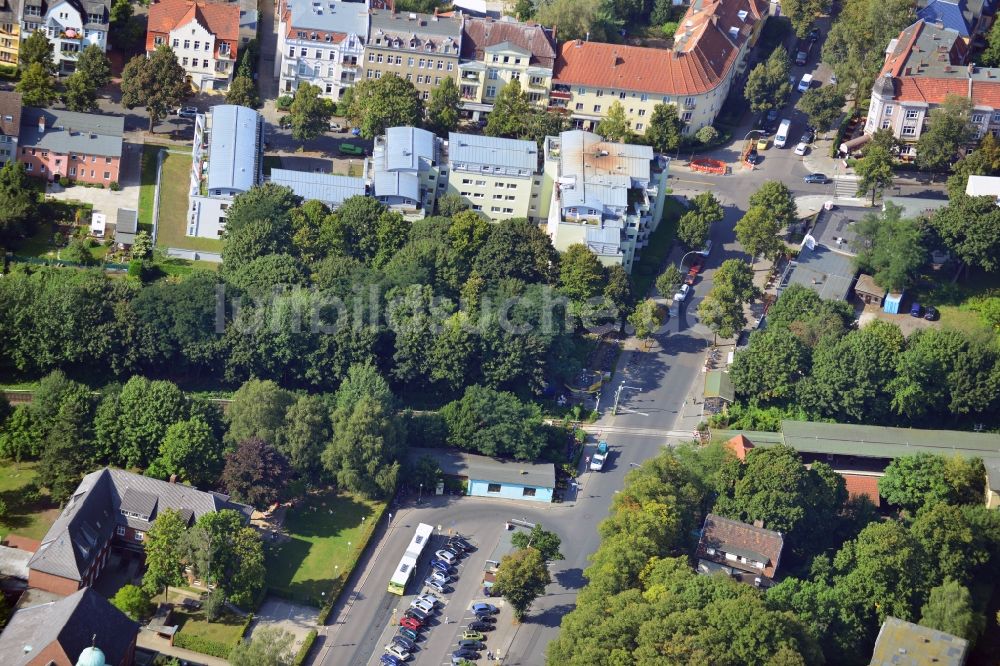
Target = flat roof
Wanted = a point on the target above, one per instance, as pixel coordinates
(902, 643)
(885, 442)
(349, 18)
(127, 221)
(493, 151)
(330, 189)
(483, 468)
(983, 186)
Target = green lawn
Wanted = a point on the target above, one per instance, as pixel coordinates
(24, 518)
(177, 267)
(227, 630)
(953, 299)
(654, 255)
(147, 186)
(327, 534)
(174, 182)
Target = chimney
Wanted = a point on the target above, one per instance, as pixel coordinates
(579, 42)
(758, 523)
(41, 123)
(173, 478)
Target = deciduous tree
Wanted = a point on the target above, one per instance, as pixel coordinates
(802, 13)
(823, 106)
(874, 172)
(389, 101)
(494, 423)
(36, 86)
(157, 83)
(615, 126)
(521, 579)
(367, 444)
(243, 92)
(309, 114)
(510, 108)
(442, 111)
(191, 451)
(665, 126)
(669, 281)
(36, 48)
(163, 546)
(724, 316)
(768, 85)
(646, 318)
(949, 609)
(258, 410)
(970, 227)
(256, 473)
(889, 247)
(757, 231)
(132, 600)
(580, 273)
(18, 204)
(545, 542)
(948, 129)
(770, 366)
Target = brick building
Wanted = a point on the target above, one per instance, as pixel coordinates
(80, 146)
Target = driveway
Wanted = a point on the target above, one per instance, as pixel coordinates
(104, 200)
(296, 619)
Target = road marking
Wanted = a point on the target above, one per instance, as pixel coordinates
(696, 182)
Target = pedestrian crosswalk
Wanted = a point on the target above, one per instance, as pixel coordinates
(845, 187)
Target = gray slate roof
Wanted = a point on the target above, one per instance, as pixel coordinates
(826, 272)
(349, 18)
(443, 35)
(234, 147)
(331, 190)
(471, 151)
(89, 519)
(483, 468)
(72, 132)
(71, 622)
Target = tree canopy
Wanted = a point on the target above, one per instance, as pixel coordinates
(389, 101)
(157, 83)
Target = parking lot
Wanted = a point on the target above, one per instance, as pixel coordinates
(440, 636)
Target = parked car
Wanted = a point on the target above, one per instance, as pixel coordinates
(462, 543)
(355, 131)
(407, 643)
(763, 142)
(488, 609)
(753, 157)
(806, 82)
(351, 149)
(808, 136)
(471, 635)
(442, 566)
(422, 605)
(187, 111)
(462, 653)
(397, 651)
(335, 127)
(390, 660)
(481, 625)
(411, 634)
(408, 622)
(440, 577)
(437, 586)
(931, 314)
(802, 148)
(419, 614)
(432, 598)
(470, 645)
(817, 179)
(814, 34)
(447, 556)
(682, 293)
(916, 310)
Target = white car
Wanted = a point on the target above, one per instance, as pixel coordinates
(439, 577)
(432, 598)
(447, 556)
(802, 148)
(597, 462)
(423, 604)
(435, 585)
(397, 651)
(682, 293)
(336, 127)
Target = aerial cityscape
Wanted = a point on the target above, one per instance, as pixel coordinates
(482, 332)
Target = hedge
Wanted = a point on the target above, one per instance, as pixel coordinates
(203, 645)
(303, 652)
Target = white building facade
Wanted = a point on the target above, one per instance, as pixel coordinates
(320, 43)
(70, 25)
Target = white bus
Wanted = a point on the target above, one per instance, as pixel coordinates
(407, 565)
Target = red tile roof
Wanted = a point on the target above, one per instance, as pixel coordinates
(705, 50)
(862, 484)
(222, 19)
(739, 445)
(724, 535)
(481, 33)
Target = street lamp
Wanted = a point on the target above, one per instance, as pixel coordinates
(618, 392)
(420, 495)
(597, 403)
(680, 264)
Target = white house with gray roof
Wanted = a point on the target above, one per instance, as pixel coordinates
(111, 507)
(70, 25)
(405, 170)
(500, 178)
(320, 42)
(608, 196)
(227, 160)
(330, 189)
(483, 476)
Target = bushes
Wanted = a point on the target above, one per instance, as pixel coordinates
(284, 103)
(202, 645)
(114, 186)
(303, 652)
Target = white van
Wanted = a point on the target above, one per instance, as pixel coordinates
(781, 136)
(806, 82)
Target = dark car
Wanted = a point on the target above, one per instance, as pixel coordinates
(916, 310)
(465, 654)
(814, 34)
(441, 565)
(817, 179)
(753, 157)
(405, 642)
(771, 116)
(480, 625)
(470, 644)
(461, 543)
(809, 135)
(931, 314)
(390, 660)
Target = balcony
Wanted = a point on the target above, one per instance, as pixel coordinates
(471, 76)
(564, 95)
(538, 84)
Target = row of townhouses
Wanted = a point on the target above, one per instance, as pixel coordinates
(930, 61)
(332, 44)
(581, 188)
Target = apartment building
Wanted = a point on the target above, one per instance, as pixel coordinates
(421, 48)
(710, 50)
(607, 196)
(320, 42)
(227, 160)
(10, 125)
(500, 178)
(972, 19)
(496, 51)
(405, 172)
(204, 36)
(10, 31)
(923, 66)
(84, 147)
(70, 25)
